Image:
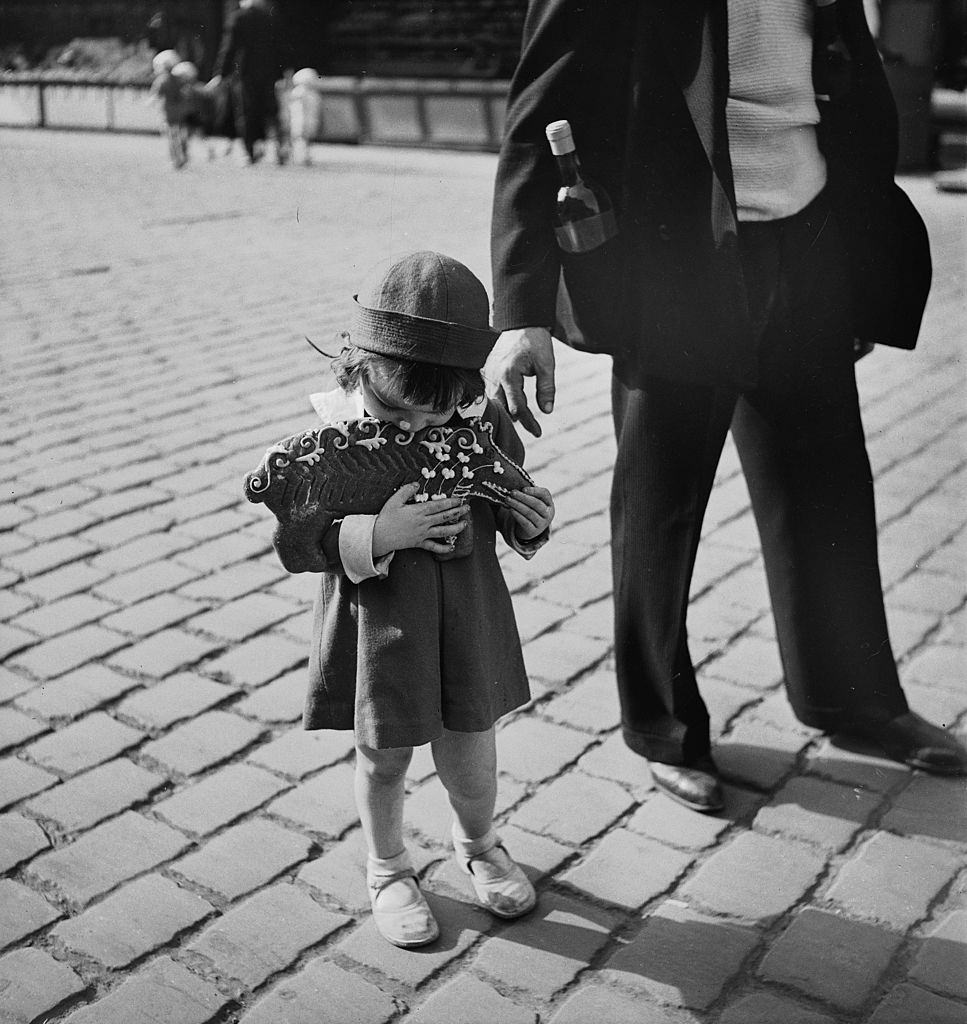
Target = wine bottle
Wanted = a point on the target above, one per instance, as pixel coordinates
(585, 216)
(831, 57)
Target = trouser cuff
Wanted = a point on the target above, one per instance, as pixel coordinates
(842, 719)
(681, 750)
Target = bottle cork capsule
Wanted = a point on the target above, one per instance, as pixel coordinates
(559, 136)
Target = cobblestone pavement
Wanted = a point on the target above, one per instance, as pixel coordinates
(176, 850)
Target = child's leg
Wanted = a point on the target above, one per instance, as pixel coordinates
(399, 910)
(297, 132)
(281, 135)
(380, 775)
(467, 765)
(176, 145)
(174, 150)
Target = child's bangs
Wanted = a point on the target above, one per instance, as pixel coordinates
(438, 387)
(423, 384)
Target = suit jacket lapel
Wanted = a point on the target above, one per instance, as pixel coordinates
(698, 58)
(683, 26)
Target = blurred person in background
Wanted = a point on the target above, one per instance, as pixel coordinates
(169, 92)
(250, 58)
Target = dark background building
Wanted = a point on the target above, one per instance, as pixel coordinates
(429, 38)
(450, 38)
(923, 43)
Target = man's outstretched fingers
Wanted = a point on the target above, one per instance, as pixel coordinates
(546, 388)
(495, 392)
(517, 405)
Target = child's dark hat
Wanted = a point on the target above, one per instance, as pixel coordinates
(426, 307)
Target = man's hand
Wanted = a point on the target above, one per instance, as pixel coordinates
(523, 352)
(427, 525)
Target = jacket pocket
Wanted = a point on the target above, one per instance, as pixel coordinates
(590, 314)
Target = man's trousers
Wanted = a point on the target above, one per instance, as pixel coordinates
(256, 111)
(800, 440)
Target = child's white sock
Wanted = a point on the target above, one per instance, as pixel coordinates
(383, 867)
(379, 869)
(467, 848)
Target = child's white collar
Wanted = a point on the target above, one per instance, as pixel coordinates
(336, 406)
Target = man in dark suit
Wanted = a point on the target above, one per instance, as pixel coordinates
(760, 235)
(250, 57)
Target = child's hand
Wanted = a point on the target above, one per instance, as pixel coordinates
(428, 525)
(532, 509)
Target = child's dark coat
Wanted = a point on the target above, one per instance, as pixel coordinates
(433, 645)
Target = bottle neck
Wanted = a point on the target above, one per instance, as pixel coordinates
(569, 167)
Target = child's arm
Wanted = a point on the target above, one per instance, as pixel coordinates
(532, 509)
(345, 547)
(309, 547)
(526, 524)
(362, 546)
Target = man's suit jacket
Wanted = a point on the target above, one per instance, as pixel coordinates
(251, 47)
(644, 85)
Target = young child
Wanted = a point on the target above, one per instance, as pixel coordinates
(412, 642)
(302, 113)
(168, 90)
(200, 107)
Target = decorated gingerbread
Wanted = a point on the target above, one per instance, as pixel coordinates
(353, 467)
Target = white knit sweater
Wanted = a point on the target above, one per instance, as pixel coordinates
(771, 110)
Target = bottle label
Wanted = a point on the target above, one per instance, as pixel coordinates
(588, 233)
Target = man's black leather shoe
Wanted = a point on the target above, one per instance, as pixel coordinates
(695, 786)
(914, 741)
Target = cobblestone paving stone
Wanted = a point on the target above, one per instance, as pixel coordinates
(174, 848)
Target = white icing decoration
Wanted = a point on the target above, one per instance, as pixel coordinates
(377, 440)
(313, 440)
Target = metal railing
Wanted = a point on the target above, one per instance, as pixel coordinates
(451, 113)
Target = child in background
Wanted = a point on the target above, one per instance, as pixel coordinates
(191, 110)
(302, 106)
(168, 90)
(201, 106)
(413, 642)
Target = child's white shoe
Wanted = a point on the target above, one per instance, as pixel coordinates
(500, 885)
(400, 911)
